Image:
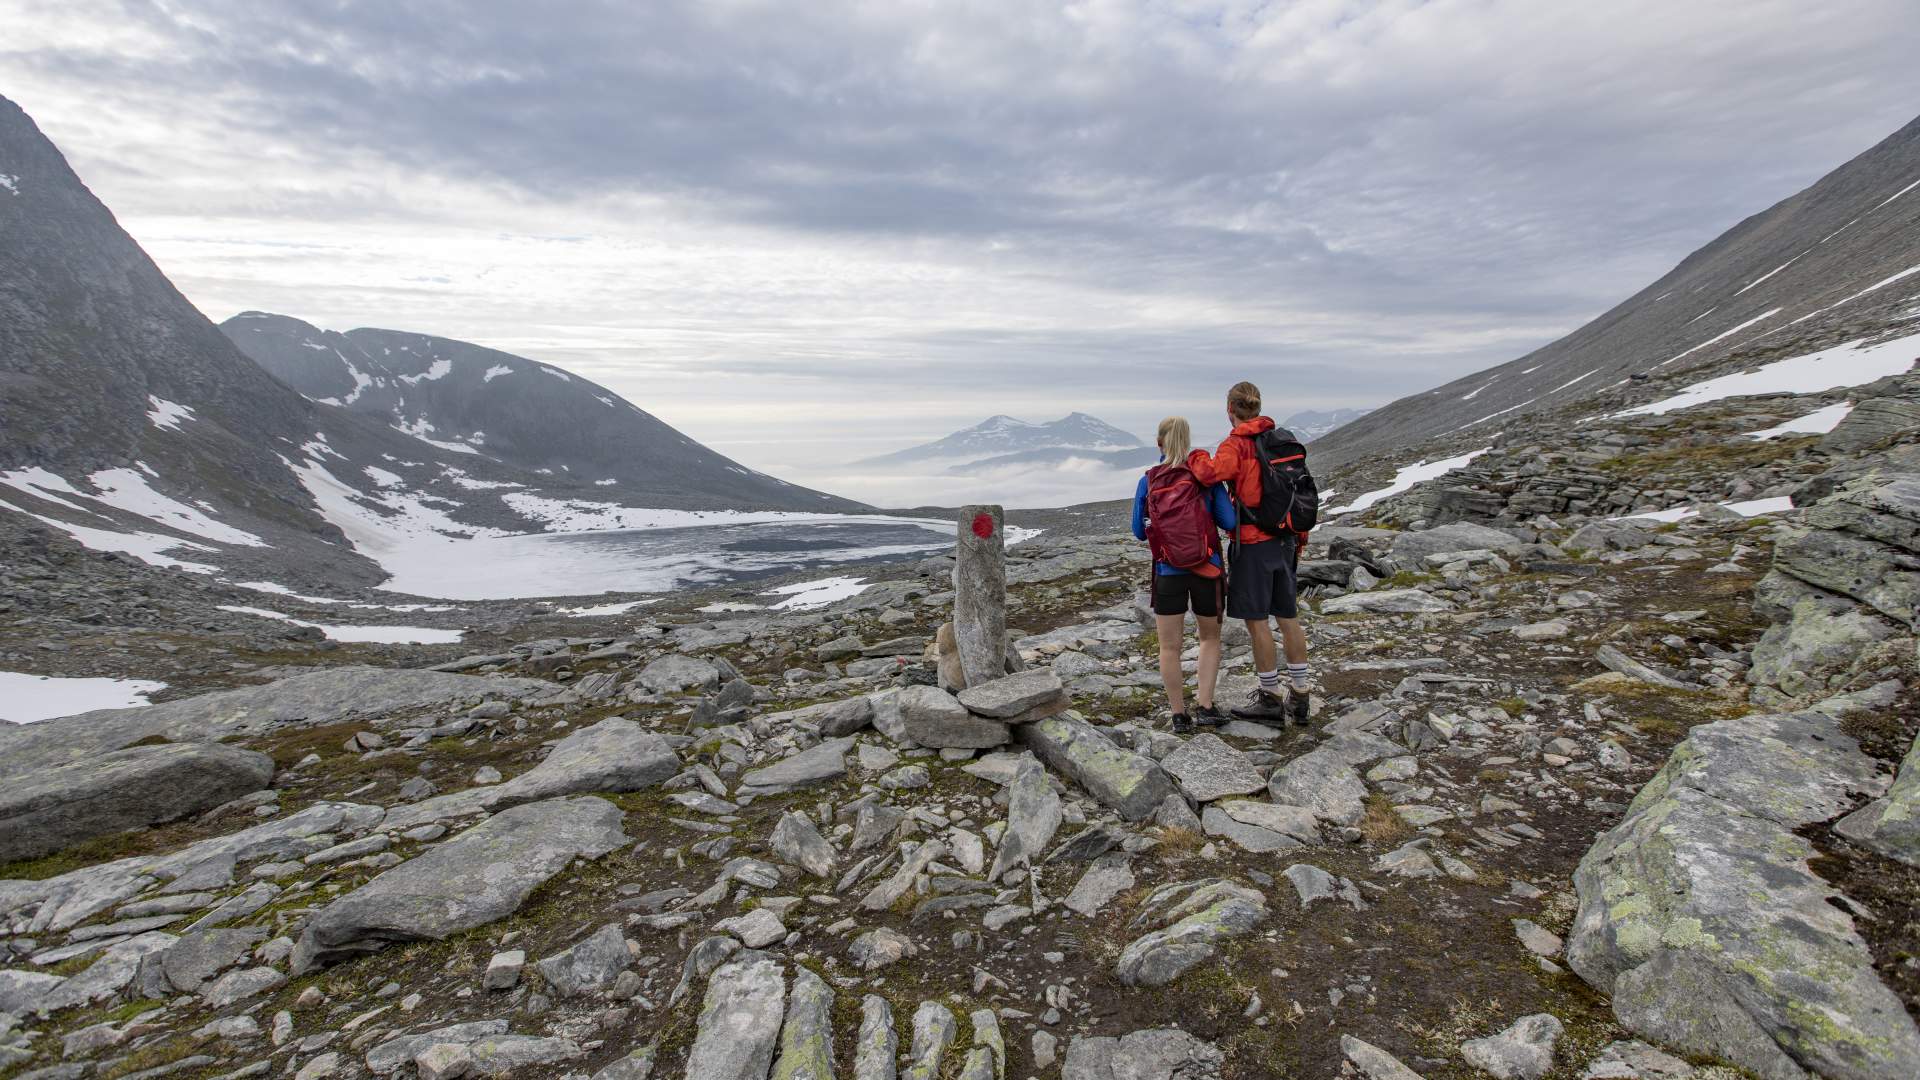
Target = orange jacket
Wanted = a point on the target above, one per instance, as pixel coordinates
(1236, 464)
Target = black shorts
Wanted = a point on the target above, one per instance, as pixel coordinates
(1260, 583)
(1173, 594)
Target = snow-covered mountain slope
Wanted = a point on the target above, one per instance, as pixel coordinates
(1311, 424)
(1002, 435)
(131, 424)
(479, 402)
(1835, 263)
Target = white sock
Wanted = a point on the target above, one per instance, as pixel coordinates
(1299, 674)
(1269, 681)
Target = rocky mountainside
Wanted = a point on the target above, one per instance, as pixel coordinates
(130, 423)
(1002, 436)
(1836, 262)
(472, 400)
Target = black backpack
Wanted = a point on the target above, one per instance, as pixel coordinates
(1289, 497)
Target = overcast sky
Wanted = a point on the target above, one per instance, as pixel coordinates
(811, 232)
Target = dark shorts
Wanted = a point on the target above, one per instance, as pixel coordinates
(1173, 594)
(1260, 583)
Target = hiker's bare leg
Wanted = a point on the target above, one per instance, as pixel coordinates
(1265, 656)
(1293, 638)
(1209, 672)
(1172, 632)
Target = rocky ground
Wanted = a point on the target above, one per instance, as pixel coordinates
(1573, 788)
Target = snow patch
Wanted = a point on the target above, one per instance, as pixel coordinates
(599, 610)
(813, 594)
(1849, 364)
(149, 548)
(495, 372)
(165, 414)
(422, 429)
(384, 478)
(125, 489)
(556, 373)
(1881, 284)
(26, 699)
(1750, 508)
(1818, 422)
(1573, 380)
(1406, 478)
(10, 182)
(383, 635)
(436, 370)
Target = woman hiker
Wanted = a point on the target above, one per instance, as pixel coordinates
(1180, 519)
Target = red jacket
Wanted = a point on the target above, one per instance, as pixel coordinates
(1236, 464)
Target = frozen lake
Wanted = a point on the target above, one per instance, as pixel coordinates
(650, 560)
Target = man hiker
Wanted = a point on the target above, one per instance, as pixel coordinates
(1260, 569)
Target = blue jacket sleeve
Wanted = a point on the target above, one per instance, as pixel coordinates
(1222, 507)
(1140, 510)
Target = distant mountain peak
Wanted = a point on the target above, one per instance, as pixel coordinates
(1002, 435)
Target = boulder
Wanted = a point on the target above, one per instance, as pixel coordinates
(1207, 768)
(1816, 642)
(830, 718)
(1322, 781)
(1028, 695)
(1413, 548)
(817, 764)
(1386, 602)
(740, 1020)
(676, 672)
(1153, 1054)
(1891, 825)
(480, 876)
(1130, 784)
(612, 755)
(932, 717)
(796, 840)
(1191, 920)
(1373, 1062)
(47, 809)
(1033, 816)
(806, 1038)
(1524, 1051)
(1700, 917)
(588, 966)
(1872, 422)
(315, 699)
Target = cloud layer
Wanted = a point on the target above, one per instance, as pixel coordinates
(810, 233)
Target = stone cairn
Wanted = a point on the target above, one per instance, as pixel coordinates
(980, 595)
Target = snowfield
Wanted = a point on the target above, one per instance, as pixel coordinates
(1843, 365)
(25, 699)
(1406, 478)
(1817, 422)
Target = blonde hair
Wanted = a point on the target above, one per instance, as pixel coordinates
(1176, 440)
(1243, 401)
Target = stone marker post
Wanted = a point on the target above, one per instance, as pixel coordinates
(980, 594)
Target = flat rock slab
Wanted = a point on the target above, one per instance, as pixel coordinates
(1154, 1054)
(932, 717)
(612, 755)
(1386, 602)
(1206, 768)
(478, 877)
(829, 718)
(675, 672)
(1322, 781)
(817, 764)
(1192, 920)
(1130, 784)
(315, 699)
(740, 1020)
(1022, 694)
(1411, 548)
(1700, 917)
(49, 809)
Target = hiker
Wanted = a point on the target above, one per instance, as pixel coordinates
(1273, 526)
(1180, 519)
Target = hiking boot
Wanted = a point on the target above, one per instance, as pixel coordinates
(1300, 703)
(1262, 708)
(1208, 716)
(1182, 724)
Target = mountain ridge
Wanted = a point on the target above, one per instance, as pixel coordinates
(1002, 435)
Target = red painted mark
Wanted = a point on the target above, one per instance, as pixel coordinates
(983, 525)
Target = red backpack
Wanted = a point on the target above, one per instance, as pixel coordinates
(1180, 528)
